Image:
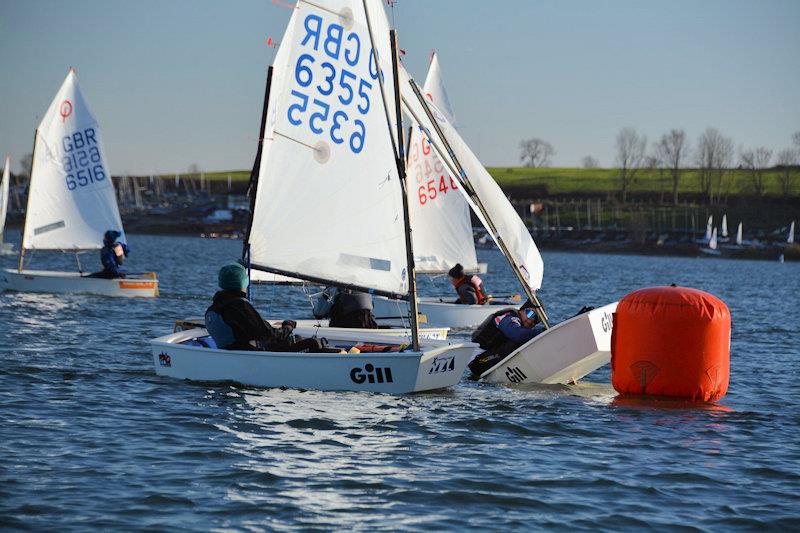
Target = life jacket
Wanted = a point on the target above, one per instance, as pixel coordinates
(477, 284)
(488, 335)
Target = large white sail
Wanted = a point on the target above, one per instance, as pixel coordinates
(328, 204)
(4, 198)
(712, 242)
(441, 224)
(739, 234)
(509, 225)
(724, 228)
(790, 237)
(708, 228)
(71, 201)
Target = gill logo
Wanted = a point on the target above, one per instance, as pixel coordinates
(371, 374)
(607, 322)
(515, 375)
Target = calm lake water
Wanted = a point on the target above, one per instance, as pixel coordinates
(92, 438)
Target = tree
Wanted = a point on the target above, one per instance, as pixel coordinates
(26, 163)
(589, 162)
(653, 164)
(755, 161)
(537, 152)
(796, 138)
(630, 153)
(672, 150)
(713, 157)
(787, 160)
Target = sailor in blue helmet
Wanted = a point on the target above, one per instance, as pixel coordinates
(112, 254)
(234, 323)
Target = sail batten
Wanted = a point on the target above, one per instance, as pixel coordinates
(71, 197)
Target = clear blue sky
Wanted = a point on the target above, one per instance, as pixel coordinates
(181, 81)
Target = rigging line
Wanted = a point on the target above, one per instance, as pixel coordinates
(277, 133)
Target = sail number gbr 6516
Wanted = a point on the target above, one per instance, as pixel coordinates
(330, 97)
(81, 158)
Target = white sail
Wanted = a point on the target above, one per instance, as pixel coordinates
(511, 228)
(441, 224)
(712, 242)
(790, 237)
(4, 198)
(328, 204)
(71, 201)
(739, 234)
(724, 227)
(708, 228)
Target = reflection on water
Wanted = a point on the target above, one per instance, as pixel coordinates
(92, 436)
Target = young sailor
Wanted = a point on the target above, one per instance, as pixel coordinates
(469, 287)
(501, 334)
(234, 323)
(112, 254)
(352, 309)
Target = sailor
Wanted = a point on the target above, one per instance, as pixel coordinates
(112, 255)
(502, 333)
(234, 323)
(469, 287)
(352, 309)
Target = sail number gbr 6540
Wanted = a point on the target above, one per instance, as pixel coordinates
(81, 158)
(330, 96)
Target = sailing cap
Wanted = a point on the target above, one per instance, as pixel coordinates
(233, 277)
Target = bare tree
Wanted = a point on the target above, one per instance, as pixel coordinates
(630, 153)
(787, 161)
(672, 150)
(755, 161)
(796, 138)
(713, 158)
(536, 152)
(655, 167)
(589, 162)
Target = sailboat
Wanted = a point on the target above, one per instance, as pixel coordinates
(707, 236)
(71, 202)
(712, 248)
(6, 248)
(739, 235)
(562, 353)
(442, 227)
(724, 229)
(790, 236)
(331, 158)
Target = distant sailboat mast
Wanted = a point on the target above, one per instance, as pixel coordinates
(790, 237)
(739, 234)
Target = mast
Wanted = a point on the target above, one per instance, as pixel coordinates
(537, 305)
(253, 186)
(401, 169)
(27, 203)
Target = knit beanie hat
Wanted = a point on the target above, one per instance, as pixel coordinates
(233, 277)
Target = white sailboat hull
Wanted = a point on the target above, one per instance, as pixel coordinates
(439, 313)
(320, 328)
(74, 282)
(563, 354)
(438, 366)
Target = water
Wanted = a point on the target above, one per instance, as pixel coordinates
(92, 438)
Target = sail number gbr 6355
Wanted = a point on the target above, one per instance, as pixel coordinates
(81, 157)
(331, 97)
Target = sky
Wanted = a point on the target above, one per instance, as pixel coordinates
(181, 82)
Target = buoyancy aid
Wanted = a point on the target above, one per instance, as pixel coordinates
(476, 284)
(488, 335)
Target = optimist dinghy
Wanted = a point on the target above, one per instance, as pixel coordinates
(331, 159)
(6, 248)
(71, 202)
(562, 353)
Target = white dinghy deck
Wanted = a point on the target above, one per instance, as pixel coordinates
(320, 328)
(439, 313)
(141, 286)
(191, 355)
(563, 353)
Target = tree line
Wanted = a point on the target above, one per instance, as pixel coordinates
(713, 158)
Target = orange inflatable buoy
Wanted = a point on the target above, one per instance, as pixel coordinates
(671, 342)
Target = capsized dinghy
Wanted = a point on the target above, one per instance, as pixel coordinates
(331, 159)
(71, 201)
(563, 353)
